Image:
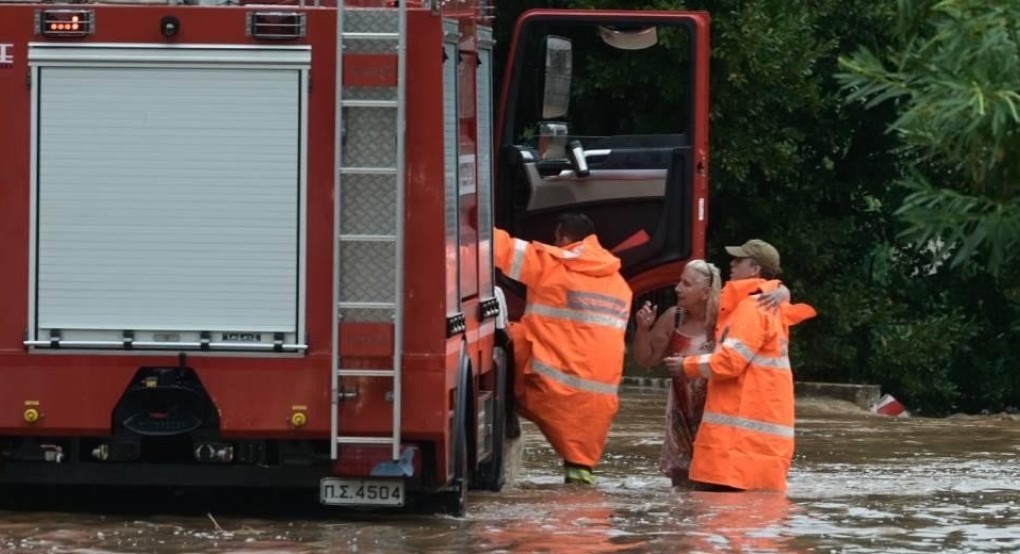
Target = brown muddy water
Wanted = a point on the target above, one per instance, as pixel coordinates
(860, 483)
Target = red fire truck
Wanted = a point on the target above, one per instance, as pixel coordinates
(231, 257)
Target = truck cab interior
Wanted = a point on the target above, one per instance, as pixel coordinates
(583, 129)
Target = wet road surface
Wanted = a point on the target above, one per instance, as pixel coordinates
(860, 483)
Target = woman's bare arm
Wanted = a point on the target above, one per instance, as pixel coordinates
(649, 346)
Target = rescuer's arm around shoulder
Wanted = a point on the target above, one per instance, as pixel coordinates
(739, 341)
(772, 299)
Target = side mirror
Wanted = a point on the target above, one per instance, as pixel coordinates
(558, 71)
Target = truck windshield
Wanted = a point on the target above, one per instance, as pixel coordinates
(625, 81)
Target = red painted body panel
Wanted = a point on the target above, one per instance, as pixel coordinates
(76, 391)
(255, 395)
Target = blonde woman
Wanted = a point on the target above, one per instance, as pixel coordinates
(684, 329)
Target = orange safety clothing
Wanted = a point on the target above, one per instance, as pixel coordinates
(746, 436)
(569, 345)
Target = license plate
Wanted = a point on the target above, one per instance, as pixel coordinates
(338, 491)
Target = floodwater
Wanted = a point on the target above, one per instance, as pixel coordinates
(860, 483)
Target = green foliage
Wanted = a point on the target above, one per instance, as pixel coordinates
(915, 357)
(954, 74)
(961, 224)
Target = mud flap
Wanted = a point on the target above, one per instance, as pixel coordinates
(453, 499)
(490, 475)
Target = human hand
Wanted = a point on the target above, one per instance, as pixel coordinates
(675, 365)
(771, 300)
(645, 316)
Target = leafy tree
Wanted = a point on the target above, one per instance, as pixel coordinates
(954, 74)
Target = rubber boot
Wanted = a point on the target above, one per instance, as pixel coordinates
(577, 474)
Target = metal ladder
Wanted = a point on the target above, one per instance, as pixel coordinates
(368, 214)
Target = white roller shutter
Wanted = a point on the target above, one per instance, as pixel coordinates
(168, 200)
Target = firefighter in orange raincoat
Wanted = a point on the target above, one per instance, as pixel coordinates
(745, 440)
(569, 345)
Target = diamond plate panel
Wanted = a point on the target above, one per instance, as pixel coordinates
(359, 315)
(368, 205)
(370, 46)
(367, 271)
(370, 138)
(370, 93)
(361, 20)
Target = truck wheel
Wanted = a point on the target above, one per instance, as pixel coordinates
(491, 475)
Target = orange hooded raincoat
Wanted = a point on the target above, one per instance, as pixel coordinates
(746, 436)
(569, 345)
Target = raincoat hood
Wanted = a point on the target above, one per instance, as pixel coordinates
(587, 257)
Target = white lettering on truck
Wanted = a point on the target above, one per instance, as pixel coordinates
(6, 54)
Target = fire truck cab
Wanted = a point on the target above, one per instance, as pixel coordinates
(250, 245)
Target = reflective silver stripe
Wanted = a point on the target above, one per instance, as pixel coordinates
(596, 297)
(595, 302)
(520, 248)
(781, 362)
(749, 424)
(741, 348)
(703, 366)
(572, 380)
(579, 316)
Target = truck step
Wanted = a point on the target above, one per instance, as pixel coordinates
(370, 36)
(368, 171)
(367, 305)
(369, 103)
(368, 238)
(366, 373)
(364, 440)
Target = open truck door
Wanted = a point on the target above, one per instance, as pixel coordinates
(606, 113)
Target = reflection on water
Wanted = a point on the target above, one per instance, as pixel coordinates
(860, 484)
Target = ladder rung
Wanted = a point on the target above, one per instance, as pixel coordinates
(367, 305)
(368, 238)
(364, 440)
(366, 373)
(368, 171)
(369, 103)
(370, 36)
